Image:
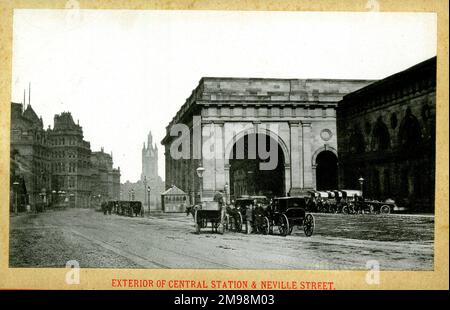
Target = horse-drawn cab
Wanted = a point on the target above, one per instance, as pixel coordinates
(383, 207)
(248, 211)
(210, 212)
(353, 199)
(323, 201)
(287, 212)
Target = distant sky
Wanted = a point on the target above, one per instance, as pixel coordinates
(125, 73)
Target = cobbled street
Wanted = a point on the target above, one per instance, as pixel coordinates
(52, 238)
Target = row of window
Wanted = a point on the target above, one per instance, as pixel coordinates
(174, 198)
(64, 141)
(409, 135)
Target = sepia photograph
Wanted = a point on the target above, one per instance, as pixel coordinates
(201, 139)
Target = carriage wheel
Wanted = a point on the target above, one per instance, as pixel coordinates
(308, 225)
(351, 209)
(283, 227)
(345, 209)
(265, 226)
(385, 209)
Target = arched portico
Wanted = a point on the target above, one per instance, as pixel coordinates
(324, 148)
(283, 162)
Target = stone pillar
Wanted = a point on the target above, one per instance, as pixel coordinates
(307, 164)
(296, 159)
(220, 179)
(208, 160)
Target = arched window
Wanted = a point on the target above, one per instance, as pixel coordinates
(380, 138)
(410, 134)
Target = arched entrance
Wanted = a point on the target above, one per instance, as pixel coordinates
(326, 171)
(250, 173)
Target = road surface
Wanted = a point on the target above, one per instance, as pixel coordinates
(51, 238)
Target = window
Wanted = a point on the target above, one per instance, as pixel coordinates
(410, 135)
(380, 138)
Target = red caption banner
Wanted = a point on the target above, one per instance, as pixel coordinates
(221, 284)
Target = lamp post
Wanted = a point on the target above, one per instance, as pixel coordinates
(200, 171)
(145, 188)
(148, 198)
(15, 187)
(59, 198)
(226, 193)
(53, 198)
(64, 195)
(361, 183)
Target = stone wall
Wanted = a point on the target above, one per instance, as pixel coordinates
(386, 134)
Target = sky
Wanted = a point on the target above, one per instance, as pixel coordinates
(124, 73)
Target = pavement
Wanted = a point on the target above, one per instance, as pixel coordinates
(52, 238)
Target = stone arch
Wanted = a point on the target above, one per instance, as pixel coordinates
(249, 131)
(318, 151)
(410, 132)
(321, 149)
(256, 131)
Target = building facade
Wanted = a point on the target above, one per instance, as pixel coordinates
(386, 134)
(105, 180)
(55, 165)
(30, 173)
(225, 117)
(70, 157)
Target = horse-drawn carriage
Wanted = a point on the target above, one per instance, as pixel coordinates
(322, 201)
(376, 206)
(209, 212)
(127, 208)
(247, 211)
(287, 212)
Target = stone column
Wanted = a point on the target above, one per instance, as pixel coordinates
(307, 164)
(220, 179)
(296, 158)
(208, 160)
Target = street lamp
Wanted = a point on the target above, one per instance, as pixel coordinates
(53, 198)
(145, 188)
(200, 170)
(361, 183)
(226, 193)
(15, 187)
(148, 198)
(64, 195)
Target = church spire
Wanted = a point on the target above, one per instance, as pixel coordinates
(29, 93)
(150, 140)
